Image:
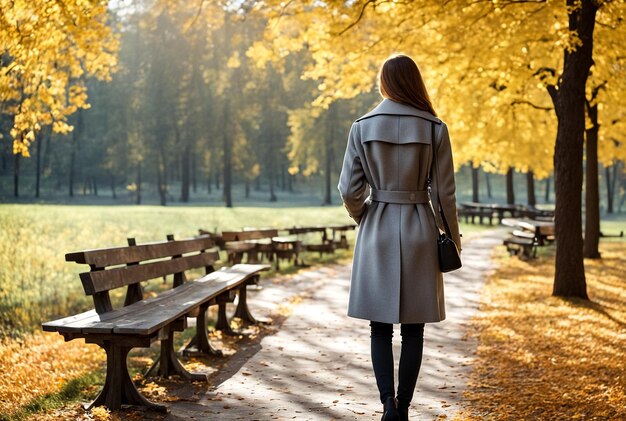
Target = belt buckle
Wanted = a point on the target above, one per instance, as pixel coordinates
(412, 197)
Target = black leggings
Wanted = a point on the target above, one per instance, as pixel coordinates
(410, 359)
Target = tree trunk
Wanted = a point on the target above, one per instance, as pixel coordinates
(283, 179)
(186, 175)
(621, 203)
(247, 189)
(72, 165)
(194, 181)
(228, 159)
(329, 155)
(95, 185)
(113, 186)
(488, 184)
(38, 167)
(530, 188)
(475, 186)
(510, 189)
(546, 198)
(610, 186)
(592, 194)
(273, 197)
(75, 136)
(569, 103)
(209, 182)
(45, 165)
(138, 183)
(161, 178)
(16, 175)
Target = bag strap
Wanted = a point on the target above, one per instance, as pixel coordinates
(440, 217)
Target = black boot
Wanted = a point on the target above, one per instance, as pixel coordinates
(390, 412)
(403, 411)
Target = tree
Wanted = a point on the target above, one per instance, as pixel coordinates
(47, 49)
(497, 97)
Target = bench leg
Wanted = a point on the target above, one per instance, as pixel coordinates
(253, 256)
(222, 319)
(170, 365)
(118, 388)
(201, 340)
(243, 312)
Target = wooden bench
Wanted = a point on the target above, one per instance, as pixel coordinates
(255, 243)
(533, 212)
(470, 214)
(325, 245)
(342, 242)
(142, 321)
(521, 245)
(527, 236)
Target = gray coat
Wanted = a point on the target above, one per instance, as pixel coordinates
(383, 183)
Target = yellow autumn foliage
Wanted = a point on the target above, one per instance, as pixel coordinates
(549, 358)
(486, 63)
(31, 367)
(49, 48)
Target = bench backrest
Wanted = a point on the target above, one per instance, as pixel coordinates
(249, 234)
(130, 265)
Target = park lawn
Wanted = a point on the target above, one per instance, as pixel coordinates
(547, 358)
(36, 284)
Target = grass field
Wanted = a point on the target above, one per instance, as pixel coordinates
(36, 283)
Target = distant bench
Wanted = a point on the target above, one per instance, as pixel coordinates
(254, 243)
(141, 321)
(527, 236)
(472, 210)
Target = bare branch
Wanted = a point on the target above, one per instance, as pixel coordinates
(358, 19)
(535, 106)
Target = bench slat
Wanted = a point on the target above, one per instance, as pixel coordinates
(154, 317)
(91, 318)
(523, 234)
(248, 235)
(519, 241)
(129, 254)
(105, 280)
(59, 324)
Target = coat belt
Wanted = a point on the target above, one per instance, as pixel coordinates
(400, 196)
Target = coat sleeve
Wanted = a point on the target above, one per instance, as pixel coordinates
(352, 182)
(446, 185)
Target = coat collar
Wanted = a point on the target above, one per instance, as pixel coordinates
(389, 107)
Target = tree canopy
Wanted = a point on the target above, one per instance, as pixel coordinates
(48, 50)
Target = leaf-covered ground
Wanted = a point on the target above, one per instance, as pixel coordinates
(43, 378)
(546, 358)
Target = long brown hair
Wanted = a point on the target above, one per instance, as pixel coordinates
(400, 80)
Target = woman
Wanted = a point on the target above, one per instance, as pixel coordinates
(395, 273)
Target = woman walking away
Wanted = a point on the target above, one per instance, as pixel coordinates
(395, 272)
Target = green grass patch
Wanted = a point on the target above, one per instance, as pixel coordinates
(36, 284)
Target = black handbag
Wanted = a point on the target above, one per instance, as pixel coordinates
(449, 258)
